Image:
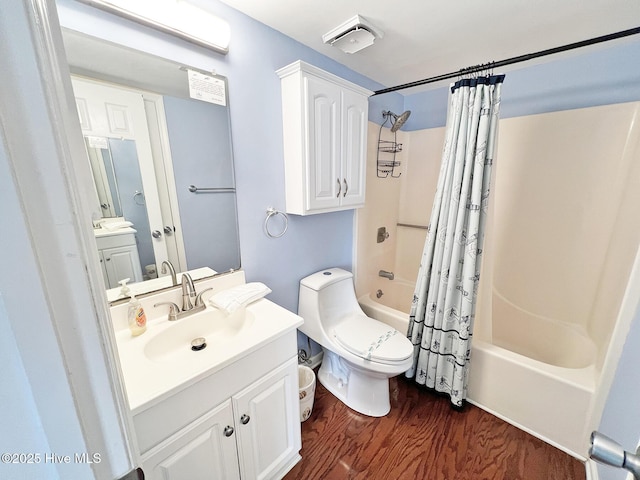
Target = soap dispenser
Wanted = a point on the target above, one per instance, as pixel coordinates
(135, 314)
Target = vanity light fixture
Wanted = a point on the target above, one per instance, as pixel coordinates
(353, 35)
(176, 17)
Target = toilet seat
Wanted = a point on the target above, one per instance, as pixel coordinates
(372, 340)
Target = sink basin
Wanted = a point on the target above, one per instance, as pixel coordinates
(160, 363)
(215, 326)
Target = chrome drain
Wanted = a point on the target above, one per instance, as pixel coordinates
(198, 344)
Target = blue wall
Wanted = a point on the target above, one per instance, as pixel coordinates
(620, 420)
(256, 52)
(208, 221)
(608, 75)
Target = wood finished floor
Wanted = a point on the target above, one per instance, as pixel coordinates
(422, 438)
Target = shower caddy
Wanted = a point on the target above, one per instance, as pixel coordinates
(386, 156)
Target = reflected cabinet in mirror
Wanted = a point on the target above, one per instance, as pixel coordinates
(149, 143)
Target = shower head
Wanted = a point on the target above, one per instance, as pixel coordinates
(398, 120)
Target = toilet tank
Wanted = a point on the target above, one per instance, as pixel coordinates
(325, 298)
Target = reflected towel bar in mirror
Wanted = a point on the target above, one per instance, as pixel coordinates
(194, 189)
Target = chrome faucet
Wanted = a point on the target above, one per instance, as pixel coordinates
(189, 307)
(385, 274)
(167, 264)
(188, 292)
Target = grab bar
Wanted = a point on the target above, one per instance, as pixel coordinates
(194, 189)
(410, 225)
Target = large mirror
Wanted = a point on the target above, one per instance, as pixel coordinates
(174, 197)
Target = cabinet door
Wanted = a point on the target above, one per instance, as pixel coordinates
(121, 263)
(268, 420)
(104, 269)
(323, 144)
(354, 147)
(205, 451)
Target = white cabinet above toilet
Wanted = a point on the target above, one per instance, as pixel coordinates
(325, 140)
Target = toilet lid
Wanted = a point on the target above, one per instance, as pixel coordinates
(373, 340)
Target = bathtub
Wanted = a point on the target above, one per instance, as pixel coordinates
(530, 384)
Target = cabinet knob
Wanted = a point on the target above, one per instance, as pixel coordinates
(228, 431)
(168, 230)
(156, 234)
(339, 187)
(346, 187)
(244, 419)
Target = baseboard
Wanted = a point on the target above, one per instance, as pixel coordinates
(591, 469)
(287, 468)
(528, 430)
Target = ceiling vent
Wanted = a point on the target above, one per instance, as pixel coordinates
(353, 35)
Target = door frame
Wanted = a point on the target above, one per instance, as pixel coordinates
(47, 158)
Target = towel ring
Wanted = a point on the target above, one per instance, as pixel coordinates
(271, 212)
(135, 197)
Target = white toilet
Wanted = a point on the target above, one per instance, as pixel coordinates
(360, 353)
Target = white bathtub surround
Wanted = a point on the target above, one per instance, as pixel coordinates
(443, 307)
(559, 249)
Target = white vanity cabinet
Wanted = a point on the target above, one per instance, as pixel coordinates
(252, 434)
(325, 140)
(119, 258)
(206, 449)
(267, 423)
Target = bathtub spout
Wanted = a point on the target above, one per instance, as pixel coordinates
(385, 274)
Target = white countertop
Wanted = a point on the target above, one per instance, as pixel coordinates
(147, 286)
(106, 232)
(151, 378)
(148, 381)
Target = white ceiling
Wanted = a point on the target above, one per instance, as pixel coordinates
(425, 38)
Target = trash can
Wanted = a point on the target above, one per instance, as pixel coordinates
(150, 271)
(307, 386)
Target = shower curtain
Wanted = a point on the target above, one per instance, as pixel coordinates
(443, 307)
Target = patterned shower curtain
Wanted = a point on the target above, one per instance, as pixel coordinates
(443, 307)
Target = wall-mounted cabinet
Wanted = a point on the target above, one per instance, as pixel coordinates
(325, 140)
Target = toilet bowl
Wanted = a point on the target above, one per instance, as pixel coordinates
(360, 353)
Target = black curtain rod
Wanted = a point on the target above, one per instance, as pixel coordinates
(512, 60)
